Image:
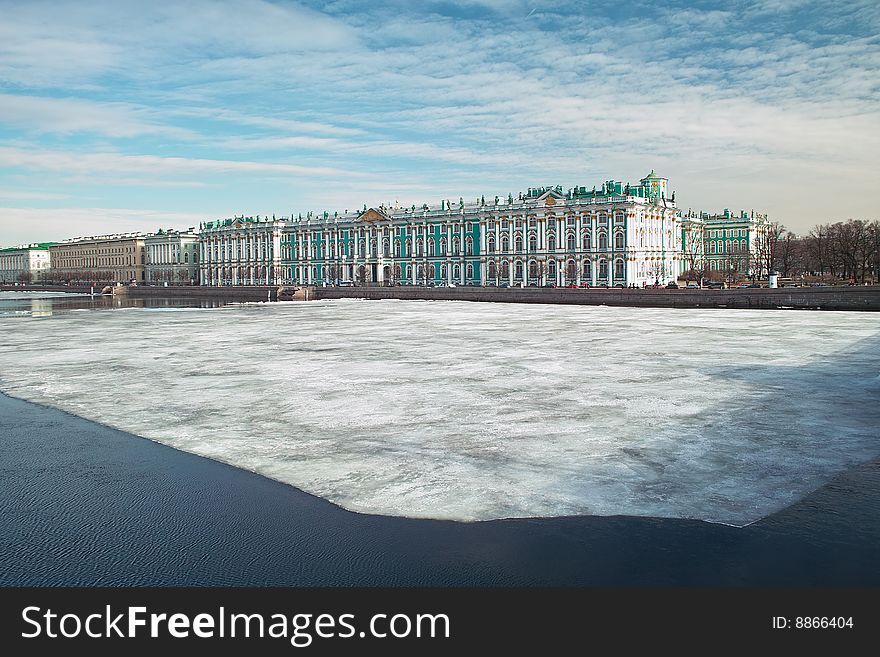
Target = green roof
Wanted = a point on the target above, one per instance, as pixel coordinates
(652, 176)
(30, 247)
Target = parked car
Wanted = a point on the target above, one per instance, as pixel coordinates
(504, 285)
(572, 286)
(692, 286)
(672, 285)
(549, 285)
(714, 285)
(585, 286)
(603, 285)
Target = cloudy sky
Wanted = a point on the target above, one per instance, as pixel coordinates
(120, 115)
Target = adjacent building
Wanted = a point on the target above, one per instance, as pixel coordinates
(25, 264)
(615, 234)
(172, 257)
(725, 243)
(104, 259)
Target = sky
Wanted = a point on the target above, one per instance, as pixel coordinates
(130, 116)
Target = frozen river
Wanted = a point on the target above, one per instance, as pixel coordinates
(476, 411)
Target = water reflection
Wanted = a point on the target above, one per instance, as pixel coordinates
(48, 306)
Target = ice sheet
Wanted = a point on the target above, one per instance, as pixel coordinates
(476, 411)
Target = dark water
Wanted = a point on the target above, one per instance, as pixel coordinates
(83, 504)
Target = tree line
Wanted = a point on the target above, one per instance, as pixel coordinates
(845, 250)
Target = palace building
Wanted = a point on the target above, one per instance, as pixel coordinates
(106, 258)
(25, 264)
(731, 245)
(616, 234)
(172, 256)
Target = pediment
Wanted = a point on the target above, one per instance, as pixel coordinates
(550, 197)
(372, 214)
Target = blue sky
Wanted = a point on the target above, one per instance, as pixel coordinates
(120, 115)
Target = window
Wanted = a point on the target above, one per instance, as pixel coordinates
(519, 270)
(533, 269)
(551, 242)
(570, 242)
(456, 272)
(603, 241)
(586, 269)
(505, 244)
(533, 243)
(519, 244)
(470, 270)
(585, 240)
(492, 271)
(551, 268)
(603, 269)
(443, 246)
(618, 269)
(618, 241)
(469, 246)
(490, 244)
(396, 249)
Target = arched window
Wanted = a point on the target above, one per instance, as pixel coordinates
(618, 241)
(431, 271)
(186, 258)
(551, 268)
(409, 272)
(493, 273)
(469, 246)
(421, 271)
(443, 246)
(571, 271)
(618, 269)
(469, 271)
(551, 242)
(603, 269)
(570, 242)
(533, 269)
(586, 272)
(396, 271)
(505, 244)
(431, 251)
(505, 269)
(518, 244)
(386, 249)
(490, 244)
(407, 250)
(419, 247)
(519, 269)
(456, 246)
(603, 241)
(585, 241)
(396, 249)
(456, 271)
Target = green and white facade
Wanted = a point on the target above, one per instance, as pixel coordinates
(725, 242)
(31, 259)
(616, 234)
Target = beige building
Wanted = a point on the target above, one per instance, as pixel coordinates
(24, 264)
(104, 259)
(172, 257)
